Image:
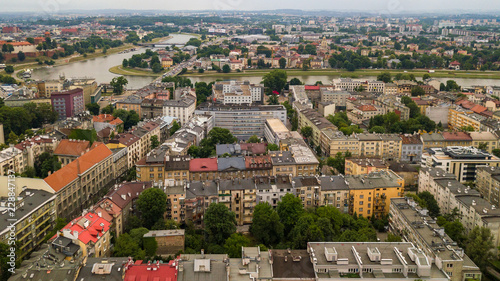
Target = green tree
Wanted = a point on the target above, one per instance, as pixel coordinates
(125, 246)
(125, 63)
(46, 163)
(482, 146)
(253, 139)
(384, 77)
(13, 138)
(21, 56)
(306, 230)
(93, 108)
(393, 238)
(273, 99)
(266, 226)
(338, 162)
(29, 172)
(226, 68)
(478, 246)
(152, 204)
(275, 80)
(430, 203)
(282, 63)
(275, 147)
(295, 81)
(233, 245)
(306, 132)
(9, 69)
(426, 76)
(377, 129)
(118, 84)
(156, 68)
(174, 128)
(154, 141)
(289, 210)
(220, 223)
(417, 91)
(108, 109)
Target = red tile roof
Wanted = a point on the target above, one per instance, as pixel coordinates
(70, 172)
(254, 148)
(103, 118)
(72, 147)
(478, 108)
(312, 88)
(139, 271)
(366, 107)
(203, 165)
(89, 227)
(34, 140)
(456, 136)
(127, 192)
(258, 162)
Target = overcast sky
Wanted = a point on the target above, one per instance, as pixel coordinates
(376, 6)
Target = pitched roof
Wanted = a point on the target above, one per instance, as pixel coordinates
(203, 165)
(455, 136)
(123, 194)
(70, 172)
(90, 227)
(72, 147)
(367, 107)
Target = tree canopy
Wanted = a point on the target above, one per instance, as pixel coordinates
(220, 223)
(152, 204)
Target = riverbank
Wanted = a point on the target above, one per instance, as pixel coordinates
(118, 69)
(353, 74)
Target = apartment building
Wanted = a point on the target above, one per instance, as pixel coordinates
(175, 203)
(68, 103)
(133, 144)
(240, 196)
(393, 104)
(432, 140)
(459, 160)
(488, 183)
(350, 85)
(33, 147)
(203, 169)
(271, 189)
(411, 148)
(123, 196)
(334, 192)
(68, 150)
(275, 130)
(152, 108)
(370, 194)
(333, 142)
(91, 232)
(312, 118)
(243, 121)
(182, 109)
(152, 167)
(387, 146)
(12, 160)
(234, 92)
(335, 261)
(199, 196)
(363, 112)
(32, 218)
(300, 98)
(130, 103)
(459, 118)
(339, 98)
(120, 159)
(308, 190)
(413, 224)
(361, 166)
(484, 138)
(79, 182)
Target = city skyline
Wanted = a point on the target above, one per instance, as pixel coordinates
(376, 7)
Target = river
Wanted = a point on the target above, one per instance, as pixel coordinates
(325, 79)
(98, 68)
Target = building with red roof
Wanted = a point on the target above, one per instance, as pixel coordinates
(33, 147)
(68, 150)
(80, 181)
(102, 121)
(457, 139)
(139, 271)
(201, 169)
(91, 232)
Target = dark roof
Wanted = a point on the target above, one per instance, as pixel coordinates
(289, 269)
(99, 264)
(229, 163)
